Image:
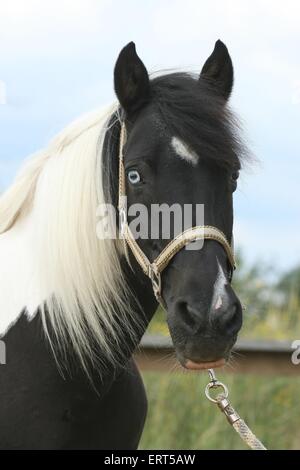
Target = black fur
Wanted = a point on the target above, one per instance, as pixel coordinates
(218, 70)
(131, 80)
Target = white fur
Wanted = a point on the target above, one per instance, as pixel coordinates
(49, 250)
(17, 273)
(183, 151)
(219, 288)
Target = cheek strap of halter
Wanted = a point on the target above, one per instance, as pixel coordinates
(154, 269)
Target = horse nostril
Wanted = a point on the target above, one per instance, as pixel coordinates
(187, 314)
(230, 319)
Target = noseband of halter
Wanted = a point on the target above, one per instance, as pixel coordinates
(154, 269)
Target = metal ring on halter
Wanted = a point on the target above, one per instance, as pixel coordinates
(215, 384)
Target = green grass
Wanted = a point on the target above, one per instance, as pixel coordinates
(180, 417)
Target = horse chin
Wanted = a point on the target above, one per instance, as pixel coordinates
(202, 363)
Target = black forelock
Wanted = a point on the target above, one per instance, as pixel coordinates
(194, 112)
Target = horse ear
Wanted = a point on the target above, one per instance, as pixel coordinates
(218, 69)
(131, 80)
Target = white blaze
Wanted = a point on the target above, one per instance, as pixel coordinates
(219, 288)
(184, 151)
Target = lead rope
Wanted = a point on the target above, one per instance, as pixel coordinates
(233, 418)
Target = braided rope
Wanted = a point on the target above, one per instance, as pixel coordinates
(233, 418)
(247, 435)
(239, 424)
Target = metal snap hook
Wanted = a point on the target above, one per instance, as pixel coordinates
(215, 383)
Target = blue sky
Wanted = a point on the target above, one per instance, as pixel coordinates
(57, 59)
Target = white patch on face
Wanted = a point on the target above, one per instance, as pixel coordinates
(184, 151)
(219, 303)
(219, 288)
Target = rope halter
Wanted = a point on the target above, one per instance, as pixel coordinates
(154, 269)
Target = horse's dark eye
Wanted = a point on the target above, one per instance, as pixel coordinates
(133, 177)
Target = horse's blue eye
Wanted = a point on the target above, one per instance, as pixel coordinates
(134, 177)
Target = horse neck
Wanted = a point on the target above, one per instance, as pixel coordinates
(142, 297)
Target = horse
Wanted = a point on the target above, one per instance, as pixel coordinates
(74, 303)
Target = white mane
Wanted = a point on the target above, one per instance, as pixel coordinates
(49, 251)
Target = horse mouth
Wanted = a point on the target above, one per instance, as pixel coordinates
(191, 365)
